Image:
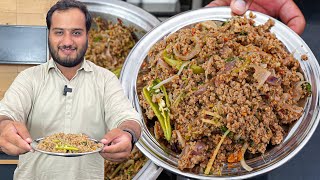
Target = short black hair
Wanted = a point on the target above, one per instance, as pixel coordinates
(65, 5)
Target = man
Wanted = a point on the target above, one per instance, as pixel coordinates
(286, 10)
(67, 94)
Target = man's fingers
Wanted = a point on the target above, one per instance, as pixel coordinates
(115, 148)
(12, 136)
(110, 136)
(219, 3)
(116, 157)
(13, 150)
(23, 131)
(19, 142)
(291, 15)
(239, 7)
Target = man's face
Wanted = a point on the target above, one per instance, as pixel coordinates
(68, 39)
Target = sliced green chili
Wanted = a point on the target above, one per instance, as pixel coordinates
(175, 63)
(97, 39)
(66, 147)
(117, 71)
(161, 112)
(171, 60)
(197, 69)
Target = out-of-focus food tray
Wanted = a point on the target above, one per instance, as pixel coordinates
(140, 21)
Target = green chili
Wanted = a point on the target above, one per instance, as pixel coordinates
(230, 59)
(162, 113)
(244, 66)
(175, 63)
(117, 71)
(197, 69)
(171, 61)
(66, 147)
(97, 39)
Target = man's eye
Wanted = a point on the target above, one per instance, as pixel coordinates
(77, 33)
(58, 33)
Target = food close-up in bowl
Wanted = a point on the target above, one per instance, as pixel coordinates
(116, 28)
(110, 43)
(221, 95)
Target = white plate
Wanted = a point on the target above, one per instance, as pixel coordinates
(35, 143)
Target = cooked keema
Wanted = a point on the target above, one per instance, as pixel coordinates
(68, 143)
(109, 44)
(219, 92)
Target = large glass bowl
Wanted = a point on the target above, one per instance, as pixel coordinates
(297, 137)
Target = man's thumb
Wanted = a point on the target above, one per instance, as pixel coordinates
(239, 7)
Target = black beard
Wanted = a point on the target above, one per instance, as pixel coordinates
(67, 62)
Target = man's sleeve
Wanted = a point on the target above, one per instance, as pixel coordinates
(117, 106)
(17, 100)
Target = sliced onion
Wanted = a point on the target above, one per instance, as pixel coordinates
(158, 133)
(163, 64)
(181, 68)
(300, 76)
(264, 65)
(108, 54)
(199, 148)
(293, 108)
(242, 161)
(209, 24)
(245, 165)
(285, 97)
(229, 65)
(274, 81)
(209, 64)
(261, 75)
(171, 78)
(191, 54)
(164, 82)
(181, 141)
(237, 137)
(200, 91)
(185, 150)
(297, 91)
(215, 152)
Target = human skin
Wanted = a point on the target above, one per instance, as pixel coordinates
(286, 10)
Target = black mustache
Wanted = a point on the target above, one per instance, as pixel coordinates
(67, 47)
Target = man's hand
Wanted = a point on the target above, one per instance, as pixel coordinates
(118, 142)
(117, 145)
(14, 138)
(286, 10)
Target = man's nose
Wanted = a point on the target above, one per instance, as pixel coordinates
(67, 39)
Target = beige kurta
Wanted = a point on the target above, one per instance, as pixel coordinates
(96, 104)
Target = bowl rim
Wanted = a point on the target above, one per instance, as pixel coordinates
(291, 40)
(123, 10)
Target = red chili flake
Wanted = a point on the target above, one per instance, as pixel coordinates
(281, 71)
(193, 31)
(119, 21)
